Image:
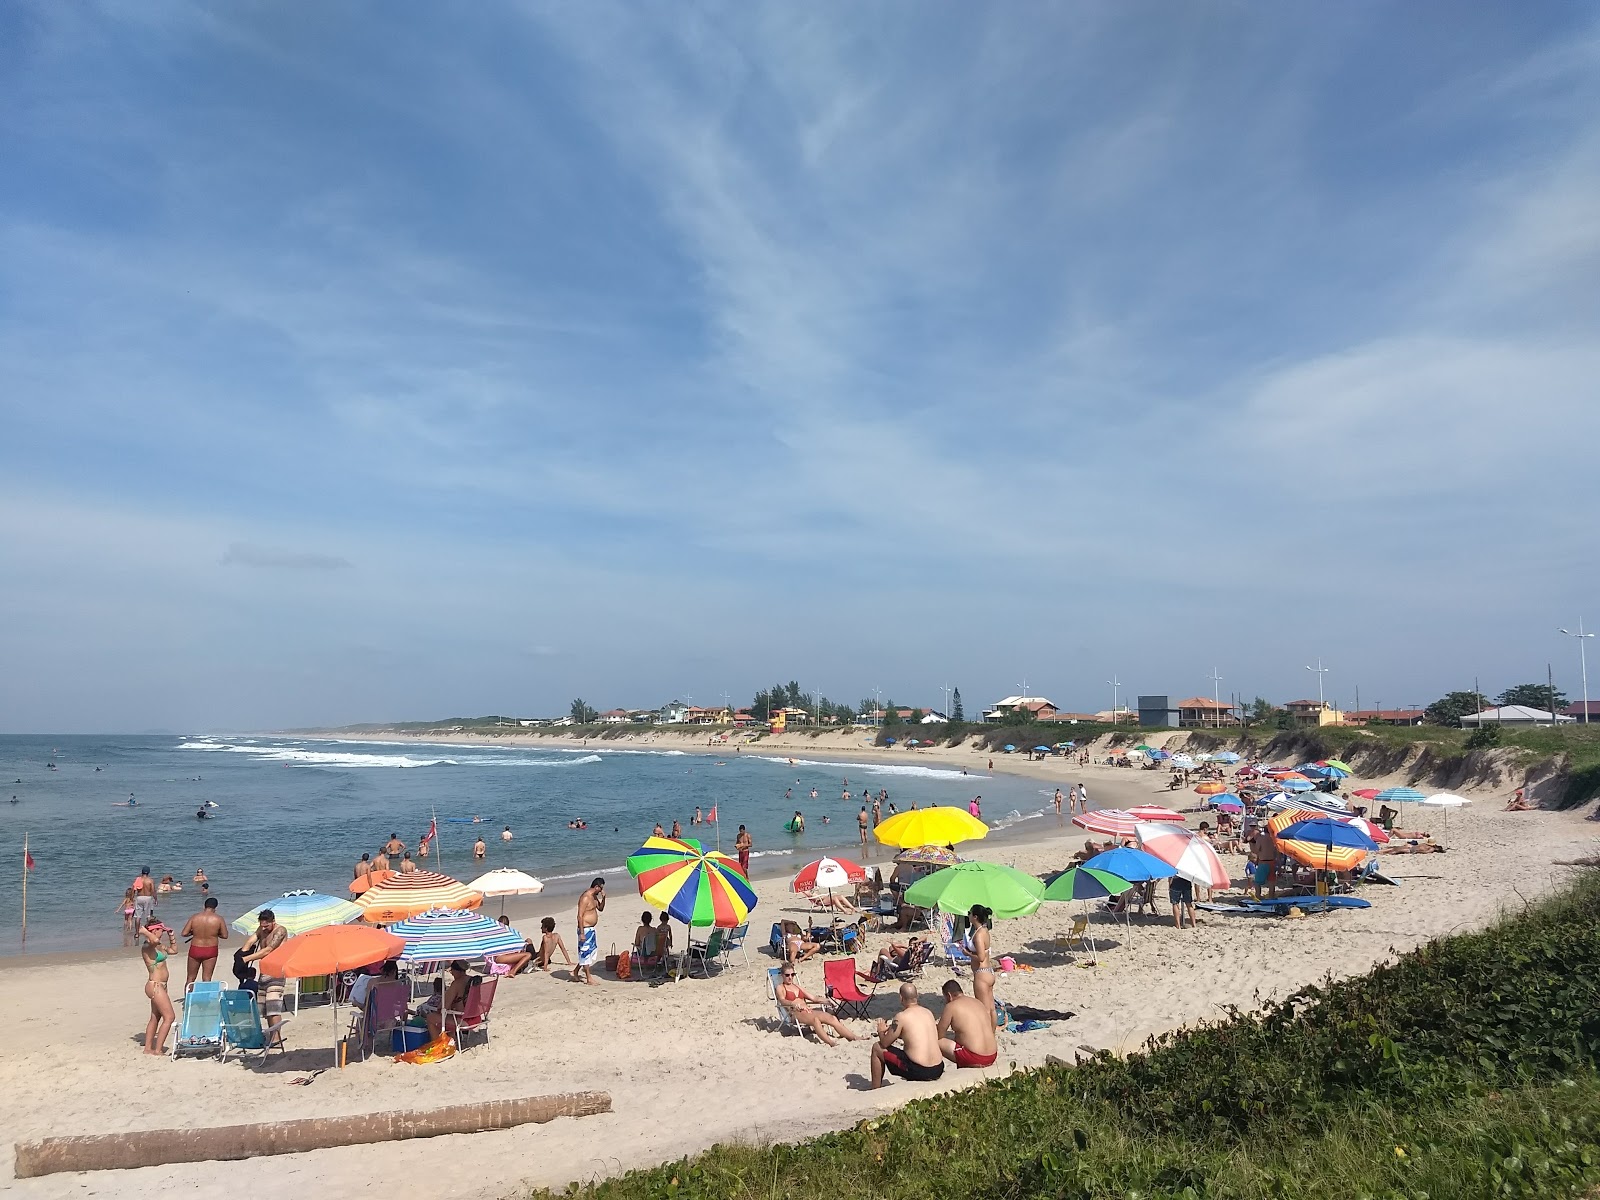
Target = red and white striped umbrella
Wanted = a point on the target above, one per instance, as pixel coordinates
(1112, 822)
(1184, 850)
(1376, 832)
(827, 873)
(1154, 812)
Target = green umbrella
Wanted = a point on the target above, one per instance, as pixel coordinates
(1085, 883)
(1005, 890)
(1338, 765)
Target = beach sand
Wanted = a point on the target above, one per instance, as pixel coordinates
(692, 1063)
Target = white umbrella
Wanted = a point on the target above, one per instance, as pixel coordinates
(1445, 801)
(506, 881)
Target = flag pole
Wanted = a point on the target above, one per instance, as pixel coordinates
(438, 842)
(24, 889)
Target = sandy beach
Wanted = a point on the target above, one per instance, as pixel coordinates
(688, 1064)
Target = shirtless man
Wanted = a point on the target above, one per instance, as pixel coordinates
(394, 847)
(917, 1057)
(590, 905)
(658, 831)
(204, 930)
(364, 867)
(861, 820)
(407, 867)
(677, 829)
(966, 1029)
(380, 861)
(144, 897)
(505, 834)
(478, 850)
(1263, 856)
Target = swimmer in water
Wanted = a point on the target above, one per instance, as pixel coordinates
(132, 803)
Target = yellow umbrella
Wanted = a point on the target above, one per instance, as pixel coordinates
(930, 827)
(1321, 856)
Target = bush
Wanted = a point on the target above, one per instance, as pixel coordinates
(1483, 737)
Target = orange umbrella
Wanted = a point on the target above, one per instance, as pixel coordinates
(1322, 856)
(329, 950)
(410, 895)
(1210, 788)
(362, 882)
(1291, 816)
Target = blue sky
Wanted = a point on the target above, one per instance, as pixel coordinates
(380, 361)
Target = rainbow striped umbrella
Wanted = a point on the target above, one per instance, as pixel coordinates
(694, 885)
(406, 895)
(300, 912)
(442, 934)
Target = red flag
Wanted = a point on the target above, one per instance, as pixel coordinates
(712, 815)
(27, 860)
(433, 832)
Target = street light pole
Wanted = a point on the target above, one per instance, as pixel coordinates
(1583, 662)
(1115, 684)
(1321, 671)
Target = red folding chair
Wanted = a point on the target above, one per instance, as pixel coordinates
(839, 979)
(473, 1016)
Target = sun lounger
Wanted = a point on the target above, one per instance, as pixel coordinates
(473, 1015)
(242, 1031)
(200, 1031)
(839, 977)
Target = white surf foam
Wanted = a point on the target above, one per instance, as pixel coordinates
(334, 758)
(865, 768)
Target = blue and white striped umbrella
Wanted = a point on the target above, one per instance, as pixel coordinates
(1318, 802)
(1401, 795)
(1295, 785)
(441, 934)
(300, 912)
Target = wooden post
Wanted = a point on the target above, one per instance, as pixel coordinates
(24, 889)
(157, 1147)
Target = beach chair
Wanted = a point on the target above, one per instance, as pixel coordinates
(786, 1019)
(839, 977)
(384, 1012)
(775, 941)
(1077, 936)
(705, 952)
(242, 1031)
(954, 952)
(311, 985)
(200, 1031)
(734, 940)
(473, 1015)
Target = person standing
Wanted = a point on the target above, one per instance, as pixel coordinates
(742, 846)
(861, 820)
(1083, 797)
(155, 943)
(203, 931)
(590, 905)
(975, 809)
(505, 834)
(1180, 894)
(677, 829)
(407, 867)
(976, 943)
(877, 813)
(478, 850)
(394, 847)
(144, 898)
(697, 818)
(269, 935)
(1058, 802)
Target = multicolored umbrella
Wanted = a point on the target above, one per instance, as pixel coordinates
(939, 826)
(1136, 866)
(1376, 832)
(1324, 836)
(694, 885)
(1110, 822)
(406, 895)
(1185, 851)
(929, 856)
(827, 873)
(442, 934)
(1006, 890)
(300, 912)
(1322, 857)
(1291, 816)
(1085, 883)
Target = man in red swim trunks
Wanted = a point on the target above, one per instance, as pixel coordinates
(917, 1056)
(966, 1029)
(204, 930)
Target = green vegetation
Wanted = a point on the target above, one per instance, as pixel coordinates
(1466, 1069)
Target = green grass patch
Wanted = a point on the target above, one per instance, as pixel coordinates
(1465, 1069)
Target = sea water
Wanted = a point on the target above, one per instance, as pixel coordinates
(297, 813)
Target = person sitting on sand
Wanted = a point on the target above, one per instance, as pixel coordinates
(799, 1003)
(966, 1029)
(517, 960)
(917, 1057)
(1518, 803)
(549, 942)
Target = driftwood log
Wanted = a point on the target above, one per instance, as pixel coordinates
(156, 1147)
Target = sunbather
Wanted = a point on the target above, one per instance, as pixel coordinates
(549, 942)
(893, 959)
(799, 1002)
(518, 960)
(797, 945)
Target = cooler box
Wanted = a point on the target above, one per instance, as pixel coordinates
(410, 1038)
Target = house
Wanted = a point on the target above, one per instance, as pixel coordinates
(1036, 706)
(616, 716)
(1514, 714)
(672, 714)
(1386, 716)
(1156, 712)
(1583, 710)
(1314, 712)
(1198, 712)
(1121, 715)
(708, 716)
(743, 717)
(795, 716)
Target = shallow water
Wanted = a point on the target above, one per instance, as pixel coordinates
(295, 813)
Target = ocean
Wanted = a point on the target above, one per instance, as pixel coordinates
(297, 813)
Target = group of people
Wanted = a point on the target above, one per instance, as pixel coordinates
(1077, 799)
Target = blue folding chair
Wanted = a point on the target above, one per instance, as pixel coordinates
(242, 1031)
(200, 1031)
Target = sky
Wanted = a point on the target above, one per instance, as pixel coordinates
(387, 361)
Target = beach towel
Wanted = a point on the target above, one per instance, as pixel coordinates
(588, 947)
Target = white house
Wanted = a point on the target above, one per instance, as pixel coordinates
(672, 714)
(1514, 714)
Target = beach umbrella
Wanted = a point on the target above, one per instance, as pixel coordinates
(1228, 803)
(1446, 801)
(1085, 883)
(1366, 793)
(1321, 856)
(1006, 890)
(1326, 831)
(1376, 832)
(1109, 822)
(1041, 749)
(442, 934)
(1145, 748)
(300, 912)
(1008, 748)
(371, 879)
(328, 950)
(1291, 816)
(694, 885)
(1185, 851)
(1321, 805)
(827, 873)
(1136, 866)
(1312, 769)
(889, 741)
(1227, 756)
(1338, 765)
(1400, 795)
(1296, 783)
(406, 895)
(1210, 788)
(926, 856)
(1154, 812)
(1159, 754)
(506, 881)
(1183, 762)
(939, 826)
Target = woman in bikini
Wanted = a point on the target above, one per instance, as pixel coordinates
(798, 1001)
(976, 943)
(156, 942)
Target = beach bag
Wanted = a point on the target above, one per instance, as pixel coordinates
(624, 966)
(611, 959)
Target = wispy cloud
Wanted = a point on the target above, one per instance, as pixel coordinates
(243, 554)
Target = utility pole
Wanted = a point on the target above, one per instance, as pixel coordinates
(1115, 684)
(1321, 671)
(1583, 662)
(1550, 684)
(1216, 698)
